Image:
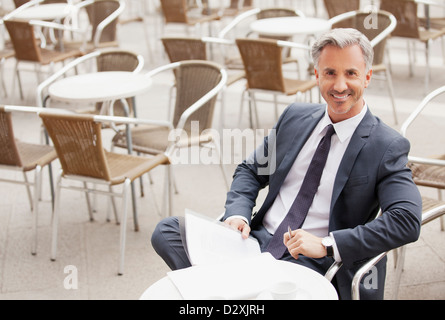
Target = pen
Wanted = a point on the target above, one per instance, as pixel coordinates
(290, 232)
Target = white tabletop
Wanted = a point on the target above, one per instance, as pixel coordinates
(50, 11)
(290, 26)
(311, 284)
(99, 86)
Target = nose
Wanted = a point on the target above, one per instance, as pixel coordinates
(340, 84)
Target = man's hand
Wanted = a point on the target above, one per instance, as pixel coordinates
(241, 225)
(304, 243)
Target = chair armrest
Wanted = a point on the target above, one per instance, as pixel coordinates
(355, 287)
(236, 21)
(113, 16)
(332, 271)
(428, 161)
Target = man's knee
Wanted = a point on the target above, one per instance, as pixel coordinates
(165, 231)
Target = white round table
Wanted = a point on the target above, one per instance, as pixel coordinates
(50, 11)
(99, 86)
(311, 285)
(290, 26)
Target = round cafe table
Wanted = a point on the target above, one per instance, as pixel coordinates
(290, 26)
(50, 12)
(311, 286)
(99, 86)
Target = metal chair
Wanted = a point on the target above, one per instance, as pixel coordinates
(263, 65)
(233, 60)
(28, 50)
(191, 48)
(78, 142)
(428, 171)
(337, 7)
(198, 83)
(383, 24)
(25, 157)
(178, 12)
(100, 30)
(408, 27)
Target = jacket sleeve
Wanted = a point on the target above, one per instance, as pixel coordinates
(401, 205)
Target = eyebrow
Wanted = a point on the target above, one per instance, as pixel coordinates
(347, 70)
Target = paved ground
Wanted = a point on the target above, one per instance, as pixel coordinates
(92, 247)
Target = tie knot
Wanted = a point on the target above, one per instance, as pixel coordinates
(330, 130)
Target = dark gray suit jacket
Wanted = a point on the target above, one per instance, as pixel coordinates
(372, 175)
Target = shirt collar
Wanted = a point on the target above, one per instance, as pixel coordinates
(343, 129)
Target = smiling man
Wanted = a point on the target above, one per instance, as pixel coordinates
(337, 165)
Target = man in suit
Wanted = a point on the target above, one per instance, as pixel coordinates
(365, 171)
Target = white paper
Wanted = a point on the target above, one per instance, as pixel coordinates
(242, 279)
(212, 242)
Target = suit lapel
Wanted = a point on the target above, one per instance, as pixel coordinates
(296, 143)
(358, 140)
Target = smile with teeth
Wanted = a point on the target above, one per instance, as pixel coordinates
(341, 96)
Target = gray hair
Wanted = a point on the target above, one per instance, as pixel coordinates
(342, 38)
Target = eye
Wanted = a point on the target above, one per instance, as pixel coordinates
(352, 73)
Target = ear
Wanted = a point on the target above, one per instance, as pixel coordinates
(368, 78)
(316, 74)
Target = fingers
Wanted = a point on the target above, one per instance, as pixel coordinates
(245, 231)
(241, 226)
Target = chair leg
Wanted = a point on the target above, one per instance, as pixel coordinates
(167, 203)
(87, 196)
(113, 204)
(427, 59)
(37, 189)
(241, 108)
(135, 210)
(391, 94)
(442, 220)
(123, 229)
(398, 271)
(55, 218)
(28, 191)
(221, 164)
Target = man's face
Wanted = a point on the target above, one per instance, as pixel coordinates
(342, 78)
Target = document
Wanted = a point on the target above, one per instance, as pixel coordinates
(225, 266)
(209, 241)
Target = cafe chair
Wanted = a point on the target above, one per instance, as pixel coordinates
(192, 48)
(431, 210)
(408, 27)
(428, 170)
(17, 155)
(377, 27)
(5, 54)
(337, 7)
(28, 50)
(87, 165)
(178, 12)
(263, 65)
(238, 25)
(237, 7)
(98, 29)
(198, 83)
